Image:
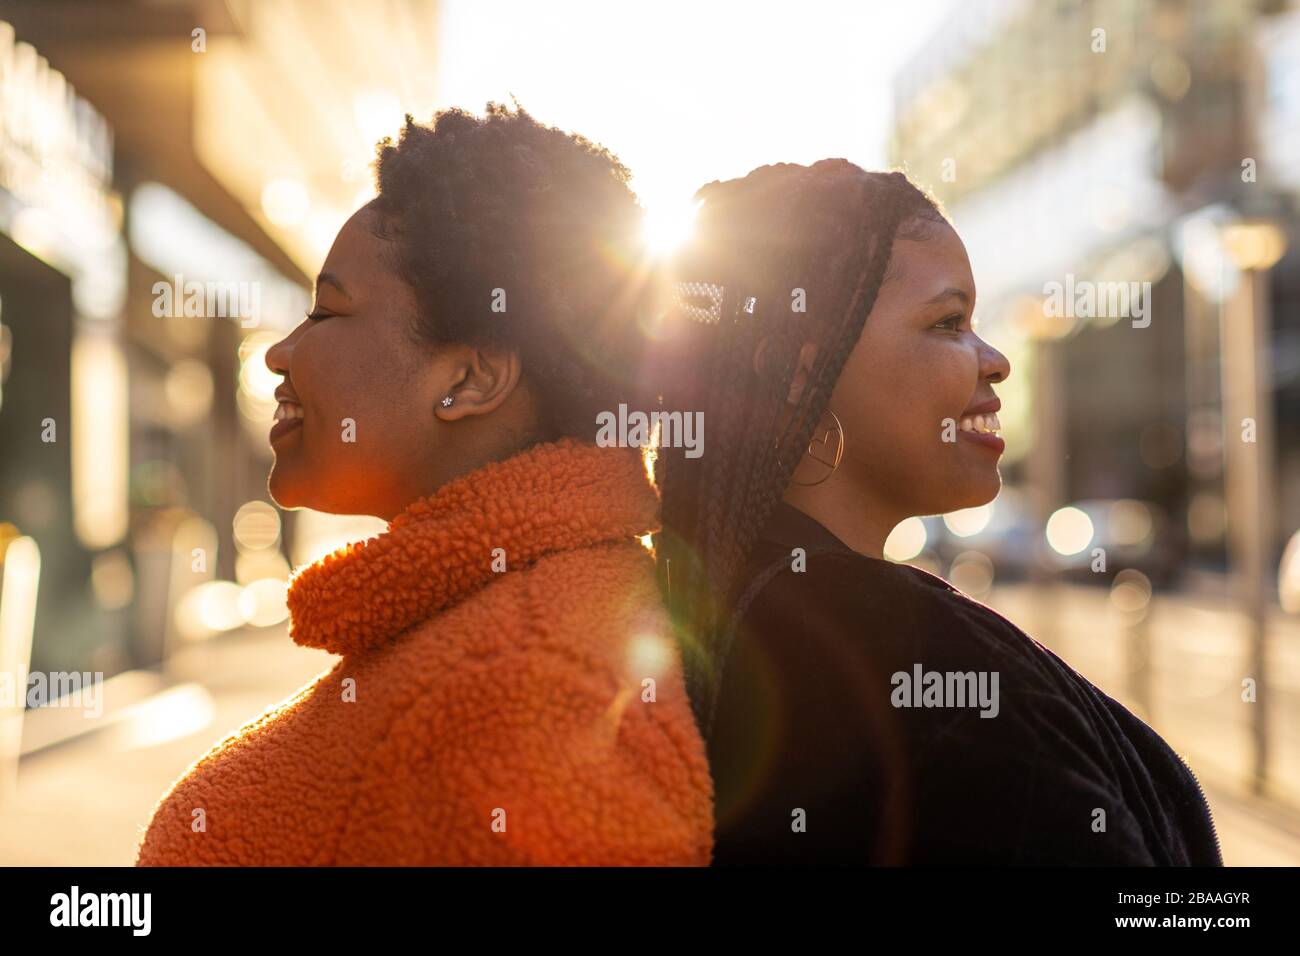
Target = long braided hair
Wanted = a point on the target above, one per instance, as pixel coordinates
(828, 230)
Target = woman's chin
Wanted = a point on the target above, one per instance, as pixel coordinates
(977, 491)
(282, 491)
(995, 486)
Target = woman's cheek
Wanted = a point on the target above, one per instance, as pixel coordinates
(339, 397)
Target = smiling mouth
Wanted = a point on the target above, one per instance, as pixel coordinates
(288, 417)
(986, 424)
(983, 430)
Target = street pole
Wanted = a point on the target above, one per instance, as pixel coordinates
(1249, 450)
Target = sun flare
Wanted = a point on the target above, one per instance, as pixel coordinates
(668, 225)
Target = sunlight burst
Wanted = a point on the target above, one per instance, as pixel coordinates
(668, 225)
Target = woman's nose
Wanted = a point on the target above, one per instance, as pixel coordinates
(993, 364)
(277, 356)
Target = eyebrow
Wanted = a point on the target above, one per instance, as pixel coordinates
(329, 278)
(951, 292)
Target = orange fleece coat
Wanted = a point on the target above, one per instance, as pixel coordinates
(535, 715)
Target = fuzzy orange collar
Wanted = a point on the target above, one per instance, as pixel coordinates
(552, 497)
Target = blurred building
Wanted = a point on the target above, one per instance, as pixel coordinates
(1122, 142)
(171, 176)
(1140, 154)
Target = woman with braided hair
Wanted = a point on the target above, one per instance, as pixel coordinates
(857, 710)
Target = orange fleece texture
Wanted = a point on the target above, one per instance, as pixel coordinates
(476, 717)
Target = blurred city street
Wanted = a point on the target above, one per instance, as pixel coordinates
(1190, 691)
(86, 802)
(1124, 177)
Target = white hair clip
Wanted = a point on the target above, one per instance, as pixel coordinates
(702, 301)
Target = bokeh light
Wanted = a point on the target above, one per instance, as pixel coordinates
(256, 526)
(906, 541)
(972, 572)
(969, 521)
(1069, 531)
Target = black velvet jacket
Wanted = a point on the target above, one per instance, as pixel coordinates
(811, 718)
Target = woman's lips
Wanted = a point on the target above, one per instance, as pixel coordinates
(284, 427)
(984, 439)
(982, 427)
(288, 417)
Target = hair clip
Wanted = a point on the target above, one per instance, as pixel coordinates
(699, 301)
(702, 301)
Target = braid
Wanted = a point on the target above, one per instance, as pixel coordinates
(829, 227)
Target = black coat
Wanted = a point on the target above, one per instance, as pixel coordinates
(808, 719)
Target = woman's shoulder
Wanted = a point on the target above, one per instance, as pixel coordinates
(556, 635)
(582, 597)
(921, 636)
(989, 716)
(567, 695)
(890, 601)
(566, 619)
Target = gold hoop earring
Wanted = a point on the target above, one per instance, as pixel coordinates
(814, 442)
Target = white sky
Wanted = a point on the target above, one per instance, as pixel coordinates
(689, 92)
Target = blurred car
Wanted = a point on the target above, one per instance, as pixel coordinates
(1088, 541)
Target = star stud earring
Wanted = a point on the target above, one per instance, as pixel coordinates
(446, 402)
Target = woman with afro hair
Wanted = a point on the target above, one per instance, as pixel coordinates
(507, 690)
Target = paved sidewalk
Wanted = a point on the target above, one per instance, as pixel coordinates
(87, 802)
(1253, 833)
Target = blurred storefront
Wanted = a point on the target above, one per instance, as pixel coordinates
(63, 472)
(171, 177)
(1146, 148)
(133, 435)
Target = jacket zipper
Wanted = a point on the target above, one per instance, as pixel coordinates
(1209, 816)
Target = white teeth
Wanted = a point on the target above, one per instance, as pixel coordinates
(987, 424)
(287, 410)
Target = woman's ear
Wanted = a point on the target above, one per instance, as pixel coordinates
(481, 380)
(807, 355)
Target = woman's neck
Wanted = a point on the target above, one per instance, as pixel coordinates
(841, 507)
